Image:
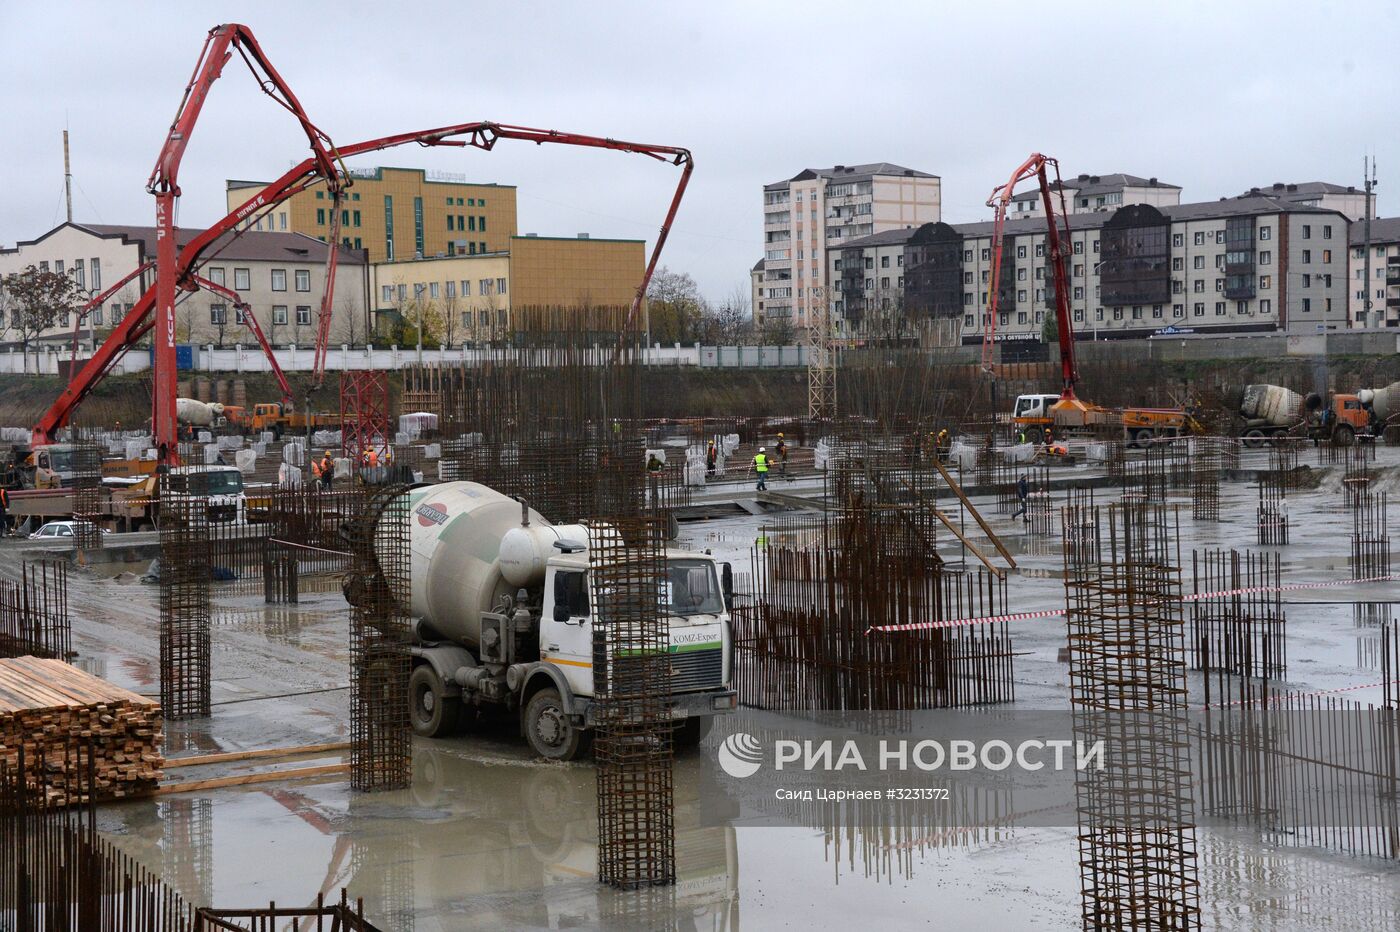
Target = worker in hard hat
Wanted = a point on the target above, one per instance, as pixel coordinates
(1023, 492)
(326, 470)
(654, 464)
(942, 446)
(760, 466)
(782, 451)
(711, 459)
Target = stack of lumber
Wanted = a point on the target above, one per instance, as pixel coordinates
(60, 715)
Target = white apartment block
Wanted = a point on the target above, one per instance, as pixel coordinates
(1230, 266)
(817, 211)
(1088, 193)
(1384, 283)
(279, 276)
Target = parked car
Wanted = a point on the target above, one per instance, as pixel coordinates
(56, 529)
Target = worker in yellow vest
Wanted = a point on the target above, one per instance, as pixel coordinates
(760, 466)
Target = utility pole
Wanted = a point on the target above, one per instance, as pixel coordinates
(67, 177)
(1368, 171)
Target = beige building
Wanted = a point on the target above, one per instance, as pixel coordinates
(819, 210)
(1088, 193)
(280, 276)
(395, 213)
(468, 299)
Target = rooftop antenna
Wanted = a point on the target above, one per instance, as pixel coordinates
(67, 177)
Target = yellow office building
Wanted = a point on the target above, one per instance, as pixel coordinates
(469, 299)
(395, 214)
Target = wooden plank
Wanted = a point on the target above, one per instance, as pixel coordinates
(255, 754)
(266, 776)
(977, 515)
(947, 522)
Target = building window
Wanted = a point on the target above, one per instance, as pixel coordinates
(218, 314)
(481, 224)
(303, 278)
(1219, 308)
(1327, 231)
(1021, 317)
(279, 279)
(417, 290)
(357, 218)
(1266, 257)
(1199, 286)
(1178, 263)
(986, 255)
(279, 314)
(1021, 295)
(1178, 310)
(884, 261)
(1098, 315)
(1265, 232)
(967, 255)
(1266, 306)
(242, 280)
(484, 287)
(433, 289)
(403, 293)
(450, 226)
(967, 278)
(1078, 292)
(386, 295)
(466, 288)
(1307, 256)
(1079, 315)
(389, 226)
(303, 315)
(1117, 313)
(1156, 310)
(471, 249)
(1199, 239)
(216, 275)
(1178, 240)
(1326, 255)
(1198, 262)
(1198, 309)
(1079, 247)
(1307, 280)
(500, 286)
(1021, 274)
(1326, 305)
(96, 316)
(450, 290)
(320, 215)
(967, 320)
(1137, 312)
(79, 273)
(418, 226)
(96, 266)
(1265, 282)
(1020, 252)
(1307, 231)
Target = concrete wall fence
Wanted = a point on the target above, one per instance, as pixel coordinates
(45, 360)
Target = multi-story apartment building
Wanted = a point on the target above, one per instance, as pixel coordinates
(1227, 266)
(280, 276)
(394, 213)
(1087, 193)
(817, 211)
(469, 299)
(1345, 199)
(1384, 283)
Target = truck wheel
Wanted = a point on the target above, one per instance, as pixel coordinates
(548, 729)
(432, 711)
(689, 733)
(1344, 435)
(1254, 438)
(1142, 437)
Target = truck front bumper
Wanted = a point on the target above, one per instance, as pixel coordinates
(681, 706)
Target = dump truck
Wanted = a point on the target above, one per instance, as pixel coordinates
(503, 607)
(1034, 413)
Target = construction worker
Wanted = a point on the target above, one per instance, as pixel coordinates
(760, 466)
(4, 512)
(325, 470)
(711, 458)
(1023, 492)
(1049, 437)
(782, 451)
(942, 446)
(371, 457)
(654, 465)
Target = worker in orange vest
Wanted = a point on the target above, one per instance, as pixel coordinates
(371, 457)
(325, 471)
(4, 512)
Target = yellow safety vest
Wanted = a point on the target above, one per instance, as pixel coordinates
(760, 462)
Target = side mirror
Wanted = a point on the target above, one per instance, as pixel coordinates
(726, 582)
(561, 612)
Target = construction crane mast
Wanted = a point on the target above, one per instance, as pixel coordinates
(1056, 242)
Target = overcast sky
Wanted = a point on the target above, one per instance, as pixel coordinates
(1215, 97)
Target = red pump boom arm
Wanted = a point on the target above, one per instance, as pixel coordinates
(481, 135)
(1055, 242)
(243, 310)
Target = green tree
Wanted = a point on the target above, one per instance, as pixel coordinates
(674, 307)
(33, 301)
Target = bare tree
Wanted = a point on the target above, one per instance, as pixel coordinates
(37, 300)
(450, 321)
(674, 306)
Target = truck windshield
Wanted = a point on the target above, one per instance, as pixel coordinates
(222, 482)
(690, 588)
(61, 460)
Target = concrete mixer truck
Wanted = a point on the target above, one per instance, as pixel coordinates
(503, 607)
